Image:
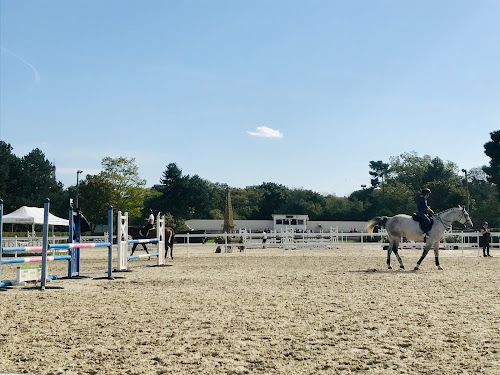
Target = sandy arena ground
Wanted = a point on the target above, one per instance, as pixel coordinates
(308, 312)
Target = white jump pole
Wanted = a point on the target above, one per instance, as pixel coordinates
(160, 235)
(122, 241)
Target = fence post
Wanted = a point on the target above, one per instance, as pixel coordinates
(45, 243)
(225, 242)
(1, 229)
(110, 239)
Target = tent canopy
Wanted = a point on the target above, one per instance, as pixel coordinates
(32, 215)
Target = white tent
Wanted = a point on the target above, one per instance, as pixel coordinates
(32, 215)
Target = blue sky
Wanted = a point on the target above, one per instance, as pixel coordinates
(300, 93)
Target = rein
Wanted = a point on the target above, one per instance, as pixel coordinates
(447, 226)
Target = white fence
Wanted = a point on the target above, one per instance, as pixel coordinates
(246, 243)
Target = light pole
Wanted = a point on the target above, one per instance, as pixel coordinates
(77, 174)
(466, 187)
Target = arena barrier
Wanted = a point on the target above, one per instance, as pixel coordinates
(73, 248)
(287, 239)
(123, 242)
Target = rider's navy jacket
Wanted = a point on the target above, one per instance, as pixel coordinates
(422, 204)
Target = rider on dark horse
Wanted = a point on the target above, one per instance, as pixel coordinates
(149, 224)
(422, 210)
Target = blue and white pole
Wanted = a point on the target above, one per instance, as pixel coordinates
(45, 243)
(1, 229)
(110, 240)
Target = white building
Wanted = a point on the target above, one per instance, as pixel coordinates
(296, 223)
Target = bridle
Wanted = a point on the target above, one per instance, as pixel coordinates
(448, 225)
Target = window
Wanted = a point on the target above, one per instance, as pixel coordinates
(279, 221)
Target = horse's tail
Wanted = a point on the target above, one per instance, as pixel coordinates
(169, 242)
(379, 220)
(172, 238)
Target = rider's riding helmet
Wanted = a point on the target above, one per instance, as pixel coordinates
(426, 191)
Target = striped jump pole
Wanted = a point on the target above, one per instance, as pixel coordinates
(74, 248)
(1, 231)
(74, 263)
(45, 242)
(74, 245)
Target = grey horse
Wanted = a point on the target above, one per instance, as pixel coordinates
(404, 226)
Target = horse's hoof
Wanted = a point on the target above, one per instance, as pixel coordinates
(440, 268)
(402, 267)
(415, 269)
(389, 267)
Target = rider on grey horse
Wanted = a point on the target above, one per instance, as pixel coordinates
(422, 210)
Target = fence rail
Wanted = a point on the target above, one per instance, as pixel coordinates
(287, 241)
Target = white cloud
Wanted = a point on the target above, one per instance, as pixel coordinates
(264, 131)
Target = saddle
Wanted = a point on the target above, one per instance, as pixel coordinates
(416, 218)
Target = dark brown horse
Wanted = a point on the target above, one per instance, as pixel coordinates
(169, 239)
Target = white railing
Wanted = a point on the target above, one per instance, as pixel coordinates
(327, 240)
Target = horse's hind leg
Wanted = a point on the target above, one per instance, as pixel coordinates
(171, 252)
(395, 250)
(145, 247)
(389, 250)
(393, 247)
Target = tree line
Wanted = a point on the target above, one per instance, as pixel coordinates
(394, 187)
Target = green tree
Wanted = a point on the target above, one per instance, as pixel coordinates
(36, 181)
(130, 191)
(273, 197)
(485, 199)
(378, 171)
(246, 203)
(410, 169)
(304, 202)
(10, 166)
(172, 191)
(95, 195)
(492, 150)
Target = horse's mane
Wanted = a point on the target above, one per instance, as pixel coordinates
(449, 209)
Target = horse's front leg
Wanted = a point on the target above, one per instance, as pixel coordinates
(133, 249)
(389, 250)
(436, 255)
(424, 254)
